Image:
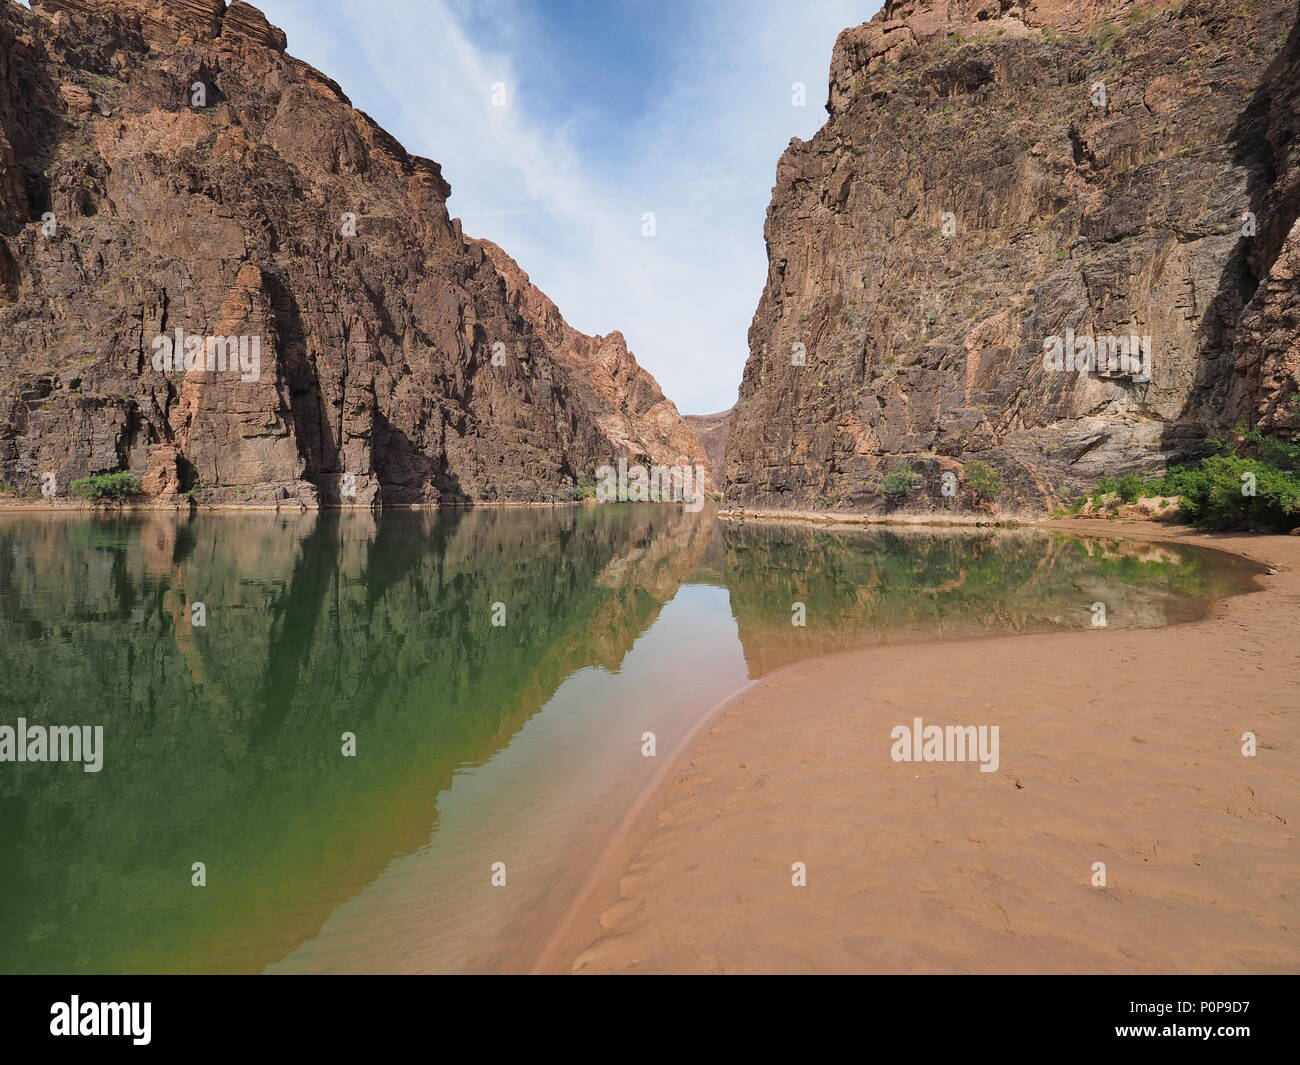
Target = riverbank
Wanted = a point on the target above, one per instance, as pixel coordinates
(184, 506)
(1117, 747)
(956, 518)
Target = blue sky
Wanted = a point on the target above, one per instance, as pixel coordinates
(614, 108)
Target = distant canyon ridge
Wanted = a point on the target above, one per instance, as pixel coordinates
(997, 173)
(165, 165)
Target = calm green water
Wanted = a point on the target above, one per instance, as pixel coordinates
(475, 743)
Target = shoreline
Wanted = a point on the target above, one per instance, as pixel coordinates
(681, 888)
(827, 519)
(87, 507)
(610, 859)
(831, 518)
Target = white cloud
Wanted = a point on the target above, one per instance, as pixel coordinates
(702, 157)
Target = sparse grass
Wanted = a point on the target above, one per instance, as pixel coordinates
(1104, 34)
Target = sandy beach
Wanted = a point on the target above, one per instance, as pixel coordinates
(1116, 747)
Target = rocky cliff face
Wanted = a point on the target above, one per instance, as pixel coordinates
(712, 431)
(610, 389)
(169, 174)
(1001, 179)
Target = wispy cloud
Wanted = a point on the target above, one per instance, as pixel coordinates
(562, 176)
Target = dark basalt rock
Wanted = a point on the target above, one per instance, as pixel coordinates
(926, 347)
(230, 213)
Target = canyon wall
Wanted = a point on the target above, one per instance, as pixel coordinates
(165, 166)
(609, 387)
(712, 431)
(996, 177)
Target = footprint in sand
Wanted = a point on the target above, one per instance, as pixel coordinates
(1243, 805)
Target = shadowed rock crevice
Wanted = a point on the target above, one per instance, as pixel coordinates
(1267, 342)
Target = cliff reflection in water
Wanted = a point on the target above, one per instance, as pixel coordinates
(889, 585)
(223, 742)
(475, 742)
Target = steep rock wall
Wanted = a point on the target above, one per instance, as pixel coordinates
(994, 174)
(165, 165)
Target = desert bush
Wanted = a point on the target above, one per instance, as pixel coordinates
(1251, 483)
(113, 487)
(983, 479)
(1214, 496)
(899, 483)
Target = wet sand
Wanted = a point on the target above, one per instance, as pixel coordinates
(1119, 747)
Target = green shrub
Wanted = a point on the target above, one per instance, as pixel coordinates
(983, 479)
(1127, 487)
(1133, 486)
(1214, 496)
(117, 487)
(899, 484)
(1270, 450)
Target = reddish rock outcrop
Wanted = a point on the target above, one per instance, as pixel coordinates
(165, 167)
(244, 20)
(713, 430)
(161, 22)
(622, 398)
(996, 173)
